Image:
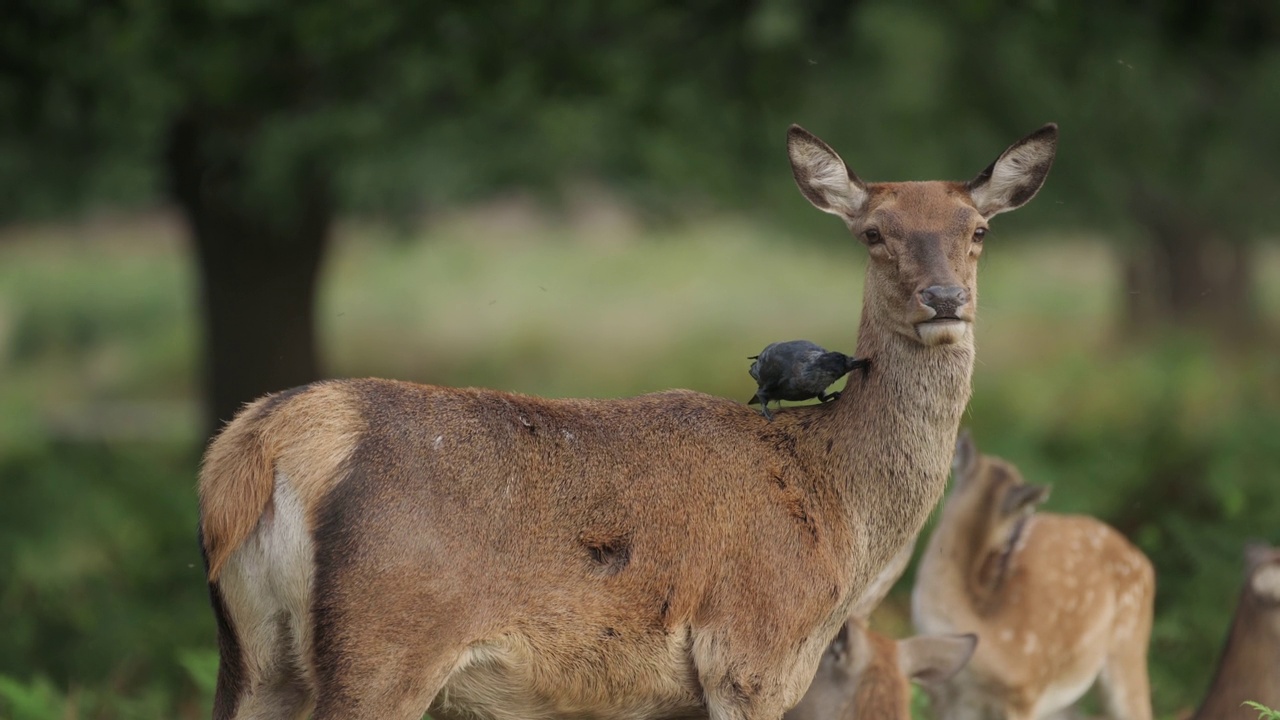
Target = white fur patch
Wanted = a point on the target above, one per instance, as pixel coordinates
(267, 587)
(943, 333)
(1266, 582)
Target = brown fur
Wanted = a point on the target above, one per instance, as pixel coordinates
(1057, 600)
(666, 555)
(1250, 665)
(308, 433)
(864, 674)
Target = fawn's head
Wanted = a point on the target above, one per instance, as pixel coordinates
(990, 493)
(865, 674)
(924, 238)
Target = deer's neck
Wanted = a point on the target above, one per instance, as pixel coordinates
(885, 447)
(966, 563)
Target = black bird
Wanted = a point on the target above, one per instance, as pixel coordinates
(798, 370)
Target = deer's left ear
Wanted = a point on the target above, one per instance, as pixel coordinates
(1016, 176)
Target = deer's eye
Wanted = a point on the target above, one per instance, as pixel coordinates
(979, 234)
(873, 236)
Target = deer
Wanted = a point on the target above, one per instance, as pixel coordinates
(864, 674)
(378, 548)
(1249, 669)
(1058, 601)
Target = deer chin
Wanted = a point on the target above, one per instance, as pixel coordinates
(943, 332)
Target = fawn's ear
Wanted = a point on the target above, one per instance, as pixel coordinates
(1020, 498)
(839, 647)
(823, 177)
(965, 460)
(1016, 176)
(931, 659)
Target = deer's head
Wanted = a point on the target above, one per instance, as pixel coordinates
(990, 495)
(924, 238)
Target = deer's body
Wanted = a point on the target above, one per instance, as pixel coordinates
(866, 675)
(1250, 665)
(1058, 601)
(376, 548)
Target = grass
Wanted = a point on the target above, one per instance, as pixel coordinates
(103, 613)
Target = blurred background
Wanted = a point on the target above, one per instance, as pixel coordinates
(206, 200)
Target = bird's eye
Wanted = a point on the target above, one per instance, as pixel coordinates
(979, 234)
(873, 236)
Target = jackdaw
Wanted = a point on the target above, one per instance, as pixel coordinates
(798, 370)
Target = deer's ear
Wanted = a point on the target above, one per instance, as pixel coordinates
(1016, 176)
(931, 659)
(965, 460)
(1023, 497)
(823, 177)
(839, 646)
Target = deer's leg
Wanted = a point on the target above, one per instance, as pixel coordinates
(281, 694)
(368, 674)
(1124, 683)
(384, 641)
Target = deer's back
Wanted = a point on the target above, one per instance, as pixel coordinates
(687, 502)
(1074, 587)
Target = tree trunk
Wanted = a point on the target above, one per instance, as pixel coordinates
(1185, 275)
(259, 260)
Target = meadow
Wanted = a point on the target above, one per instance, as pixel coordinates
(103, 611)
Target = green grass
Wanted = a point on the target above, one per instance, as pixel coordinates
(102, 609)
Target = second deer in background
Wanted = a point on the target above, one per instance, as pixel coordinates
(1250, 664)
(1057, 601)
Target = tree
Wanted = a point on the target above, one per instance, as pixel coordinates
(261, 120)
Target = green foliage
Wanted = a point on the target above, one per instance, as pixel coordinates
(411, 106)
(1264, 712)
(104, 605)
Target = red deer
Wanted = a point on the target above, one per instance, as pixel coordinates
(864, 674)
(1250, 666)
(1057, 601)
(375, 548)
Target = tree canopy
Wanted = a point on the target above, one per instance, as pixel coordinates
(263, 121)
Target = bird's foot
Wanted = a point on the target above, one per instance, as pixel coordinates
(828, 397)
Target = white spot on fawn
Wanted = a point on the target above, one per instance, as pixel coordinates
(439, 441)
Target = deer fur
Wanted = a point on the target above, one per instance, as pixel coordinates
(1250, 665)
(377, 548)
(1058, 601)
(864, 674)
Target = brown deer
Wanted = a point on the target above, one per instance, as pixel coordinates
(1058, 601)
(1250, 664)
(375, 548)
(864, 674)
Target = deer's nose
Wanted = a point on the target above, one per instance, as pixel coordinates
(944, 299)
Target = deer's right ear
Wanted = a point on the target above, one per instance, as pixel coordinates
(966, 458)
(823, 177)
